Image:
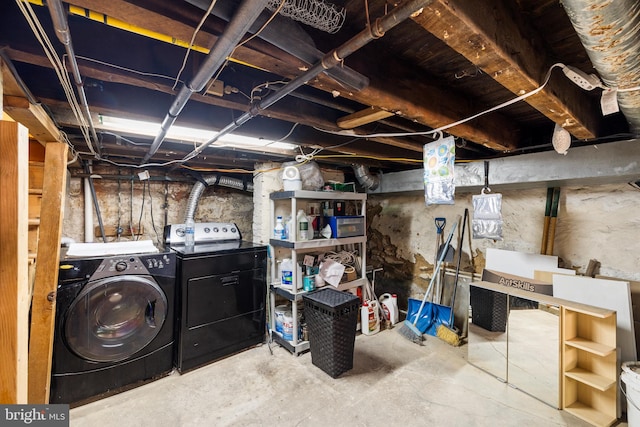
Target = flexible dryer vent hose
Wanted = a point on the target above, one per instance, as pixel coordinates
(365, 177)
(198, 188)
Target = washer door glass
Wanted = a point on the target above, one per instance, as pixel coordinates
(115, 317)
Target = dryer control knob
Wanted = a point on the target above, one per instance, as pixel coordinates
(121, 266)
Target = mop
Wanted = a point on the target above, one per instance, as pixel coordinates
(409, 329)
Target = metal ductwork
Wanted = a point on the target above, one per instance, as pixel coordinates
(288, 36)
(610, 32)
(366, 178)
(246, 14)
(199, 187)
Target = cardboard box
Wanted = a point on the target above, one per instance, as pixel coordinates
(489, 309)
(513, 281)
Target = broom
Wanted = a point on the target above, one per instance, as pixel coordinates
(450, 334)
(409, 329)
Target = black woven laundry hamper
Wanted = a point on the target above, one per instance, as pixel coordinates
(488, 309)
(331, 317)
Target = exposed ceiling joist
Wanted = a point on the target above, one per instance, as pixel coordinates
(421, 103)
(18, 107)
(502, 45)
(447, 68)
(363, 117)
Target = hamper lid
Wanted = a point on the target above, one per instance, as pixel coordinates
(331, 297)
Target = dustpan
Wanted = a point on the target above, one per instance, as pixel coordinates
(430, 316)
(422, 314)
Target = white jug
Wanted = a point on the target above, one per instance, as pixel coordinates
(390, 307)
(370, 318)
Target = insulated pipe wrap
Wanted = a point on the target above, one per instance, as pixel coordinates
(247, 13)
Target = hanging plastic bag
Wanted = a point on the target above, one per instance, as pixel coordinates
(439, 159)
(487, 216)
(487, 212)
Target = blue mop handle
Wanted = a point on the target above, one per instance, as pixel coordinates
(435, 272)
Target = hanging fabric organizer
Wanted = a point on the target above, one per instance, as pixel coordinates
(439, 159)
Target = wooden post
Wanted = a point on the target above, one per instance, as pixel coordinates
(14, 287)
(46, 278)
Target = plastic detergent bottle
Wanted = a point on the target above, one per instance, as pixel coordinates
(303, 226)
(369, 317)
(286, 266)
(278, 230)
(390, 307)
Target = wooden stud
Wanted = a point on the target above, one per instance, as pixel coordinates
(34, 116)
(46, 277)
(14, 280)
(362, 117)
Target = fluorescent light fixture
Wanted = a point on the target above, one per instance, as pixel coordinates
(190, 135)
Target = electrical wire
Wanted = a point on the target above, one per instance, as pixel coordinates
(130, 70)
(343, 257)
(127, 140)
(59, 68)
(266, 86)
(287, 135)
(144, 184)
(153, 223)
(388, 159)
(118, 227)
(193, 38)
(629, 89)
(146, 165)
(254, 35)
(457, 123)
(131, 208)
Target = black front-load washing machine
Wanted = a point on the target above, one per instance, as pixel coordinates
(114, 325)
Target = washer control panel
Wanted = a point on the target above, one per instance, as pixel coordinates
(134, 264)
(204, 232)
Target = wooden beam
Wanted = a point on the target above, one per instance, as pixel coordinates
(46, 279)
(14, 283)
(34, 117)
(147, 19)
(420, 103)
(40, 125)
(362, 117)
(502, 44)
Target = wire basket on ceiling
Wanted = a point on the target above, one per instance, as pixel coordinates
(315, 13)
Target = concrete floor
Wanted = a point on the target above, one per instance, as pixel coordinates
(394, 382)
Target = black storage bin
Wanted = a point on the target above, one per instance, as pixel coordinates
(331, 317)
(488, 309)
